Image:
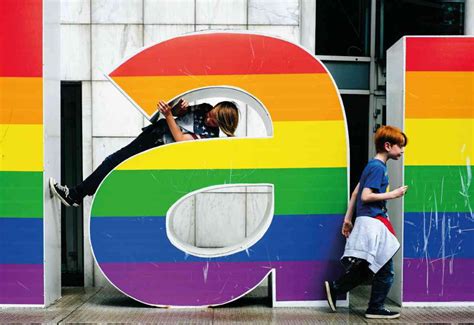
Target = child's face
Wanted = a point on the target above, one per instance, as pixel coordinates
(211, 118)
(394, 151)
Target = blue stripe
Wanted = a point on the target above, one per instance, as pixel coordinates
(289, 238)
(21, 241)
(438, 235)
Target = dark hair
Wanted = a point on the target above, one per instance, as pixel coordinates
(227, 115)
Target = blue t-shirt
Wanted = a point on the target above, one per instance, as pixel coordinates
(375, 177)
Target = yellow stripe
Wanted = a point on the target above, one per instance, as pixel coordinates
(21, 147)
(439, 94)
(295, 145)
(439, 142)
(21, 100)
(288, 97)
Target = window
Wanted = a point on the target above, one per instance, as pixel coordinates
(417, 17)
(343, 27)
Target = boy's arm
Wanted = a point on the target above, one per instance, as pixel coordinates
(347, 224)
(368, 195)
(178, 136)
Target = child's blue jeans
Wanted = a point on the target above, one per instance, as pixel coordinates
(358, 272)
(151, 137)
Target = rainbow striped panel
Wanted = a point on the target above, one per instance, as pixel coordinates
(305, 160)
(21, 153)
(438, 261)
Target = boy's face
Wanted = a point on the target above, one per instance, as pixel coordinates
(394, 151)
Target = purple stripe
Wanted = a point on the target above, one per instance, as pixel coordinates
(438, 280)
(215, 283)
(21, 284)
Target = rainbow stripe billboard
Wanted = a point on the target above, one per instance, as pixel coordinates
(436, 89)
(21, 153)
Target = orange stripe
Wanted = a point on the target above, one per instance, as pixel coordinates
(21, 101)
(288, 97)
(437, 95)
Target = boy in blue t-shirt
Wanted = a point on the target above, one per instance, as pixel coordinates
(371, 243)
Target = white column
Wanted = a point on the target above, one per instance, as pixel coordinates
(469, 17)
(52, 150)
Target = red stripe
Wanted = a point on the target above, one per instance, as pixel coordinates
(387, 223)
(21, 34)
(220, 54)
(440, 54)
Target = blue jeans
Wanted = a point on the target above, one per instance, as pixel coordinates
(151, 136)
(358, 272)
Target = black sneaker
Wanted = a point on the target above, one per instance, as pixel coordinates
(62, 192)
(383, 313)
(330, 295)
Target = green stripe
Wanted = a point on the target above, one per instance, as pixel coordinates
(21, 194)
(438, 188)
(151, 193)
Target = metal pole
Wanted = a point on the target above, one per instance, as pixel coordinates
(372, 78)
(469, 17)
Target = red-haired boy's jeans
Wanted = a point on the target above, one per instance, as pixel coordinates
(358, 272)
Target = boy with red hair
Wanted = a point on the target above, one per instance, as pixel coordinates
(371, 243)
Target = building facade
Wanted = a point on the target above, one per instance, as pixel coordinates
(350, 37)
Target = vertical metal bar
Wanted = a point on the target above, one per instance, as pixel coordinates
(469, 17)
(366, 28)
(372, 77)
(381, 29)
(315, 25)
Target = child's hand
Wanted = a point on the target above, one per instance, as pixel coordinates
(183, 107)
(346, 228)
(164, 108)
(399, 192)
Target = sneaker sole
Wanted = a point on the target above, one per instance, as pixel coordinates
(371, 316)
(329, 296)
(51, 182)
(53, 190)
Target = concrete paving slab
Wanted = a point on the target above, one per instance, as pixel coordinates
(107, 305)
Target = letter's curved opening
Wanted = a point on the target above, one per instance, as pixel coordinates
(221, 220)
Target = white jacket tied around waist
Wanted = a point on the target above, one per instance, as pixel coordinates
(372, 241)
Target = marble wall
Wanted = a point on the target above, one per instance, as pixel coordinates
(97, 34)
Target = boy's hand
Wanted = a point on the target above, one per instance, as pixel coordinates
(346, 228)
(164, 108)
(399, 192)
(182, 108)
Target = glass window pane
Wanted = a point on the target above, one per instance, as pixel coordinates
(416, 17)
(349, 75)
(343, 27)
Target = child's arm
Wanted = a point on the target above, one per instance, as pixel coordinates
(347, 224)
(368, 195)
(178, 136)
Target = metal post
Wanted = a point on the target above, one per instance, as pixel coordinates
(373, 78)
(469, 17)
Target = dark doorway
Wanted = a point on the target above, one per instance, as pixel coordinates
(72, 256)
(357, 115)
